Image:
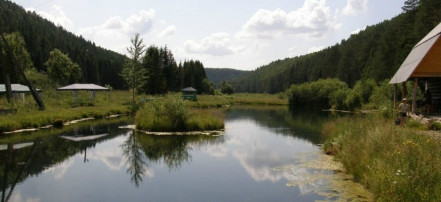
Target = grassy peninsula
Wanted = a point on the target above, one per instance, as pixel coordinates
(394, 163)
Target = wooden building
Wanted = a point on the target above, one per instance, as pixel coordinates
(189, 93)
(423, 64)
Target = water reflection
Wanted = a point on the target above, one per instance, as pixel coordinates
(299, 123)
(132, 152)
(265, 151)
(48, 151)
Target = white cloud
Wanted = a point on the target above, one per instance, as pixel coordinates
(353, 7)
(313, 20)
(358, 30)
(170, 30)
(140, 23)
(116, 32)
(217, 44)
(292, 52)
(57, 16)
(315, 49)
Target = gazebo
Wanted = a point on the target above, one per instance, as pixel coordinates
(83, 87)
(17, 90)
(189, 93)
(422, 63)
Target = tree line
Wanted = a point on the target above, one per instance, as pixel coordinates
(154, 70)
(41, 36)
(52, 56)
(374, 53)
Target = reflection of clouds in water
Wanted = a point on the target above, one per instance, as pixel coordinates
(259, 163)
(218, 151)
(60, 169)
(17, 197)
(262, 164)
(112, 158)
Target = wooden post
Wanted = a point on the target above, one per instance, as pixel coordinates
(395, 96)
(403, 90)
(414, 95)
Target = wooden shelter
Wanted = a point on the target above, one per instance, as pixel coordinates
(92, 88)
(18, 90)
(422, 64)
(189, 93)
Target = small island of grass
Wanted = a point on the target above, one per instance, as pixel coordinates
(172, 114)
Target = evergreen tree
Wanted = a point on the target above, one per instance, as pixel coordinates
(152, 63)
(410, 5)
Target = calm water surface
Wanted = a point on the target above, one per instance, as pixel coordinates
(265, 154)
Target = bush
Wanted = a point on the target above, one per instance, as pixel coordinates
(318, 93)
(172, 114)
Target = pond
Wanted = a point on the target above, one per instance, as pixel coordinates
(265, 154)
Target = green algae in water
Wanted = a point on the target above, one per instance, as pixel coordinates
(325, 177)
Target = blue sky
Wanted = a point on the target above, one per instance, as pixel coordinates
(240, 34)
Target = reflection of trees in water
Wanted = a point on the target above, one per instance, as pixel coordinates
(173, 150)
(14, 172)
(17, 164)
(302, 123)
(135, 163)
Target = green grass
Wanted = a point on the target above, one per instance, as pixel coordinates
(172, 114)
(60, 107)
(212, 101)
(394, 163)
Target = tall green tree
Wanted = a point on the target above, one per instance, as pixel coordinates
(132, 72)
(61, 69)
(153, 64)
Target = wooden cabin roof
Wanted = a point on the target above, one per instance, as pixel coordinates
(424, 59)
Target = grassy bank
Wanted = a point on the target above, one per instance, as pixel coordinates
(61, 108)
(172, 114)
(211, 101)
(395, 164)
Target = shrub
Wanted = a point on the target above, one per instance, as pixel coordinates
(316, 93)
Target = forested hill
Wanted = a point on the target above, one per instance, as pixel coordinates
(376, 52)
(217, 75)
(41, 36)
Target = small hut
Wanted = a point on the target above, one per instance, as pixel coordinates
(92, 88)
(422, 64)
(18, 90)
(189, 93)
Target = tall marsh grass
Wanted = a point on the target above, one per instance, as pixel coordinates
(395, 164)
(172, 114)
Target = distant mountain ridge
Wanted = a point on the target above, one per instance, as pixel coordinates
(217, 75)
